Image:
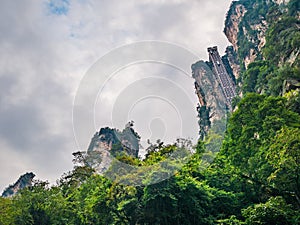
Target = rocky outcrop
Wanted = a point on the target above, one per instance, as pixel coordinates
(293, 56)
(246, 35)
(23, 182)
(233, 19)
(246, 25)
(109, 142)
(108, 138)
(266, 32)
(260, 29)
(233, 60)
(291, 84)
(104, 139)
(211, 100)
(250, 57)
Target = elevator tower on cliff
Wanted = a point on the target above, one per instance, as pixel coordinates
(224, 80)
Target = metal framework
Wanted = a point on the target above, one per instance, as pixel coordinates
(226, 83)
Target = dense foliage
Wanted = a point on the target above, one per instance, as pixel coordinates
(254, 179)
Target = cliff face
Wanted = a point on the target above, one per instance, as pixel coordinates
(263, 58)
(23, 182)
(234, 64)
(246, 25)
(110, 142)
(109, 139)
(241, 32)
(211, 100)
(233, 19)
(265, 44)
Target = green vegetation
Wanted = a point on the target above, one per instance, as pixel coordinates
(279, 59)
(253, 180)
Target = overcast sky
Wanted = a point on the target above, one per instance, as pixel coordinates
(47, 47)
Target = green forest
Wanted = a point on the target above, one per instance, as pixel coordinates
(254, 179)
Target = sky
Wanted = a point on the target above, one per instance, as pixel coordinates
(48, 48)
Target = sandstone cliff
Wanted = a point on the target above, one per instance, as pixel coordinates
(23, 182)
(265, 44)
(212, 103)
(110, 142)
(246, 25)
(263, 58)
(234, 17)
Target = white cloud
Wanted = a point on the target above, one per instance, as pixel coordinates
(45, 53)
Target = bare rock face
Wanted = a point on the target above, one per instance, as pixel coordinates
(233, 19)
(293, 57)
(261, 29)
(247, 33)
(103, 139)
(240, 32)
(258, 39)
(250, 58)
(233, 61)
(109, 142)
(211, 100)
(254, 33)
(108, 138)
(23, 182)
